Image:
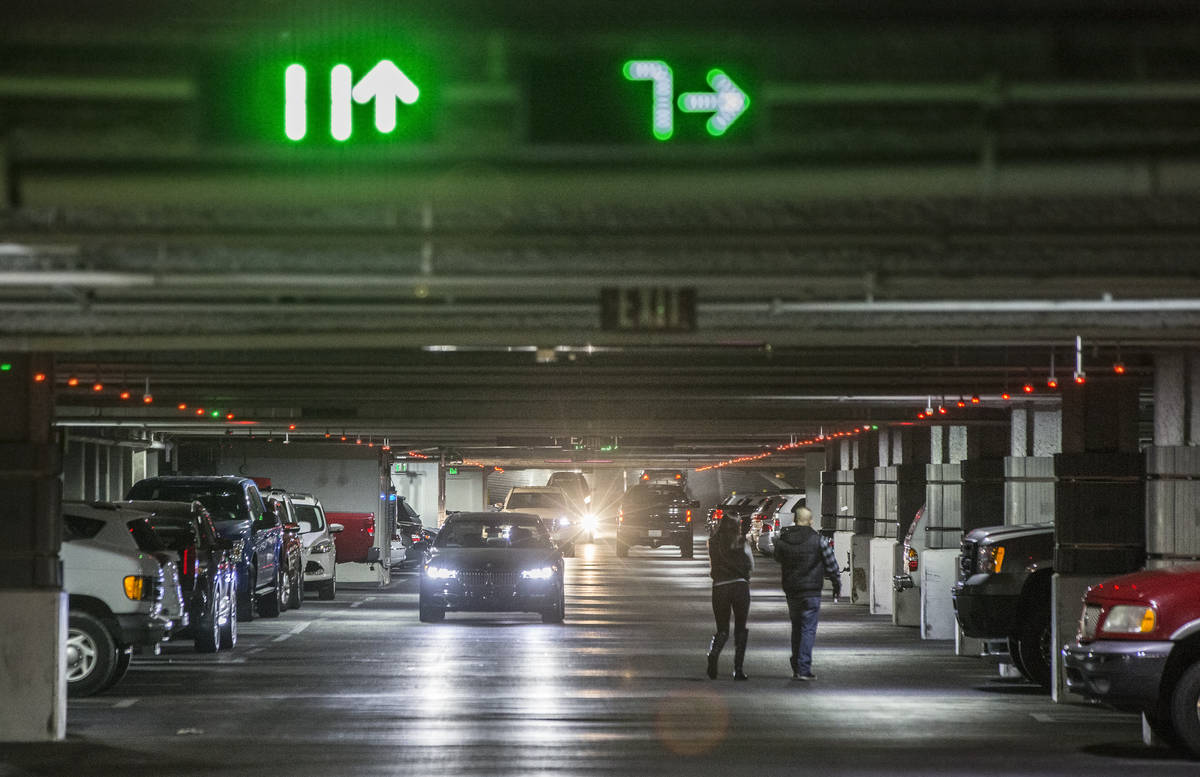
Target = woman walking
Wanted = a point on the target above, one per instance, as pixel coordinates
(731, 565)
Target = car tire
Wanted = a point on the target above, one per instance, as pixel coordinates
(296, 595)
(327, 590)
(1014, 652)
(229, 632)
(92, 655)
(207, 638)
(1185, 702)
(1160, 723)
(124, 658)
(556, 612)
(1033, 645)
(285, 587)
(430, 613)
(273, 603)
(245, 602)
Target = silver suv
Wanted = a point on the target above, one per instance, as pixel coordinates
(320, 567)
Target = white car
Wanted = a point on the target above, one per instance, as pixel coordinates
(115, 596)
(320, 555)
(780, 518)
(551, 505)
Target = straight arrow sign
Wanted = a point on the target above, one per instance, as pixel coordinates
(726, 103)
(385, 84)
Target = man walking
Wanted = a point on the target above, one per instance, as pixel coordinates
(806, 560)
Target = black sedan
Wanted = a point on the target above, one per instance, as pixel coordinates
(493, 562)
(207, 567)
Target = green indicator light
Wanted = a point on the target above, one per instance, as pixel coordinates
(5, 367)
(662, 119)
(726, 103)
(216, 414)
(295, 108)
(451, 470)
(874, 427)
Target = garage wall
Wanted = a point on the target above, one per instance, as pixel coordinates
(344, 479)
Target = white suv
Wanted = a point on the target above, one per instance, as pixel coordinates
(115, 596)
(551, 505)
(316, 534)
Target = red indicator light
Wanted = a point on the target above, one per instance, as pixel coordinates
(292, 427)
(147, 399)
(1006, 395)
(975, 399)
(1080, 380)
(921, 414)
(230, 416)
(343, 438)
(183, 405)
(961, 403)
(72, 382)
(1119, 368)
(1027, 388)
(125, 395)
(942, 410)
(97, 386)
(326, 435)
(39, 377)
(1052, 383)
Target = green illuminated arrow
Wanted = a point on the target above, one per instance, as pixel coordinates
(726, 104)
(385, 84)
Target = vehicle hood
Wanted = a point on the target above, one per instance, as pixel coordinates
(500, 559)
(1000, 533)
(1182, 581)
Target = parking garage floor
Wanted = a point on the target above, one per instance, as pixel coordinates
(358, 686)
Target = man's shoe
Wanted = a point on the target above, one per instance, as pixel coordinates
(804, 677)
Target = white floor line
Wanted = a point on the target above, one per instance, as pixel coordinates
(299, 627)
(124, 704)
(282, 637)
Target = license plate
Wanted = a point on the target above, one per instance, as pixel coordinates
(654, 533)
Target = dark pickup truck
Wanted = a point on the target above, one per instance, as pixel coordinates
(1003, 592)
(655, 514)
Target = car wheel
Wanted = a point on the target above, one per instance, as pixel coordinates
(285, 587)
(431, 613)
(1185, 709)
(557, 611)
(245, 605)
(1033, 645)
(1159, 722)
(272, 603)
(1014, 652)
(229, 631)
(208, 629)
(328, 590)
(124, 658)
(296, 596)
(92, 655)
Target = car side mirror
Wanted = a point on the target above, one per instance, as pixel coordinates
(497, 506)
(334, 528)
(293, 528)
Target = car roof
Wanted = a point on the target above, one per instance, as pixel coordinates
(200, 480)
(535, 489)
(158, 507)
(492, 515)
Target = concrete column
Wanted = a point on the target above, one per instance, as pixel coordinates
(33, 607)
(1100, 526)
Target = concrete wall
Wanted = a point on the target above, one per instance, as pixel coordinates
(344, 479)
(418, 484)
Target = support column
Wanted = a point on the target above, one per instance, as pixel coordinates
(33, 607)
(866, 459)
(1173, 462)
(899, 493)
(1029, 469)
(1100, 526)
(837, 505)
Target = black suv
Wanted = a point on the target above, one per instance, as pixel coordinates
(1003, 592)
(238, 513)
(655, 514)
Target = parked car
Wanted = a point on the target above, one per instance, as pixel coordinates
(763, 513)
(669, 476)
(1003, 592)
(356, 543)
(1138, 649)
(238, 513)
(208, 568)
(291, 551)
(549, 504)
(410, 538)
(655, 514)
(493, 562)
(783, 516)
(739, 506)
(115, 596)
(317, 536)
(579, 498)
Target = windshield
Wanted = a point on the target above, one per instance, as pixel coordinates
(520, 499)
(145, 536)
(652, 494)
(499, 532)
(310, 518)
(223, 504)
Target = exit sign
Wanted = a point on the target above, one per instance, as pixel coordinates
(399, 467)
(648, 309)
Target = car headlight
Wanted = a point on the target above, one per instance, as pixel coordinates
(589, 522)
(321, 546)
(542, 573)
(990, 558)
(441, 573)
(1130, 619)
(563, 521)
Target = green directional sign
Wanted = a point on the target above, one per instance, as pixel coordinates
(727, 102)
(384, 85)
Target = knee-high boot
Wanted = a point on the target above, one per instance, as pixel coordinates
(739, 653)
(714, 652)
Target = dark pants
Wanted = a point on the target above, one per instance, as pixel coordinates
(803, 611)
(731, 596)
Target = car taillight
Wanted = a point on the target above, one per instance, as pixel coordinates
(718, 514)
(688, 515)
(913, 560)
(620, 516)
(416, 538)
(777, 522)
(370, 530)
(188, 563)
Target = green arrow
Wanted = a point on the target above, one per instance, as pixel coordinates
(385, 84)
(726, 104)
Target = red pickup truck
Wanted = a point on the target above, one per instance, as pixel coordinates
(357, 538)
(1139, 650)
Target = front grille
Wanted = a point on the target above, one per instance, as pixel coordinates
(481, 579)
(1090, 621)
(966, 562)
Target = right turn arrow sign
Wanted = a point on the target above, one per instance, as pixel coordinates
(726, 104)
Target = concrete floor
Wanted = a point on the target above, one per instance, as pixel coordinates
(359, 687)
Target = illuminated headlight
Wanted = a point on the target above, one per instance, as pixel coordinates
(1130, 619)
(589, 523)
(321, 546)
(441, 573)
(544, 573)
(990, 558)
(563, 521)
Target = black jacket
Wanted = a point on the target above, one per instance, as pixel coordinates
(806, 562)
(729, 559)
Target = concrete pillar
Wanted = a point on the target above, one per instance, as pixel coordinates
(1100, 526)
(33, 607)
(837, 504)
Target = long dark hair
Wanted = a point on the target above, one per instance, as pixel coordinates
(729, 531)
